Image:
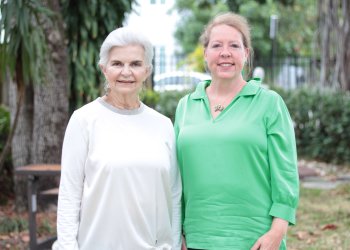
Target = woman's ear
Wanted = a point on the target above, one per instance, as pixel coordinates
(103, 69)
(246, 53)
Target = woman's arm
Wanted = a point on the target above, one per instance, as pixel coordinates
(176, 189)
(183, 246)
(282, 158)
(71, 184)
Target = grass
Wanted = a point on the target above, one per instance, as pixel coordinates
(323, 220)
(14, 224)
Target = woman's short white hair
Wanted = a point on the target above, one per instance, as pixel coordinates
(122, 37)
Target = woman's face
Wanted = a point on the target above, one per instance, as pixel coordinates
(126, 69)
(225, 54)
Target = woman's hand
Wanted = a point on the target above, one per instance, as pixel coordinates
(183, 245)
(273, 238)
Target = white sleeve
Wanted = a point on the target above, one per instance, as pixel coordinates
(74, 154)
(176, 189)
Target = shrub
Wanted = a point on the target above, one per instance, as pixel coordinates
(15, 224)
(168, 102)
(150, 97)
(322, 123)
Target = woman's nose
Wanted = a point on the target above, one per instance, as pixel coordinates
(225, 52)
(126, 70)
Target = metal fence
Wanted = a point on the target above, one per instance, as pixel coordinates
(289, 72)
(164, 63)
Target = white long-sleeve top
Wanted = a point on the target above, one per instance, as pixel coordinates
(120, 186)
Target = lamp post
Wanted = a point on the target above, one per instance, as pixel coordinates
(273, 35)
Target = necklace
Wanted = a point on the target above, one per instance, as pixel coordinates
(220, 107)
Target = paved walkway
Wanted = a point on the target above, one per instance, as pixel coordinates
(321, 175)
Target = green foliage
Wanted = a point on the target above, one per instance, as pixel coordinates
(150, 97)
(4, 125)
(168, 102)
(258, 16)
(24, 44)
(296, 27)
(195, 60)
(195, 14)
(15, 224)
(88, 23)
(322, 122)
(6, 181)
(45, 227)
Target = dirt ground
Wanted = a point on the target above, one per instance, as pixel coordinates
(18, 240)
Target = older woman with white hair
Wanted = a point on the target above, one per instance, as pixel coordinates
(120, 186)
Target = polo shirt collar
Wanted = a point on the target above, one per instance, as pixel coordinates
(251, 88)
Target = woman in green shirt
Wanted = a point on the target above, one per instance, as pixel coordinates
(236, 151)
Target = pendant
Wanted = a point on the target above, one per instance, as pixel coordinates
(218, 108)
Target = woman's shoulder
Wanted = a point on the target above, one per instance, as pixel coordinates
(197, 93)
(156, 115)
(87, 110)
(159, 122)
(265, 91)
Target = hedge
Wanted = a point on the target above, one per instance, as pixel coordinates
(321, 122)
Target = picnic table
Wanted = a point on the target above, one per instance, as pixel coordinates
(33, 173)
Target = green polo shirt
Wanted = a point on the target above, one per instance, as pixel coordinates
(239, 170)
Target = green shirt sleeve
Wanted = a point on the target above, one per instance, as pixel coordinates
(283, 163)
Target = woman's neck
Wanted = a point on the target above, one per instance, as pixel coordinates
(122, 101)
(223, 87)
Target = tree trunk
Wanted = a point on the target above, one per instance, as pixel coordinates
(334, 25)
(345, 57)
(51, 99)
(22, 139)
(43, 117)
(325, 30)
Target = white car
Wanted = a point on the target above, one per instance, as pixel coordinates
(178, 80)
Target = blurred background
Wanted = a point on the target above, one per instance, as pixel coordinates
(48, 68)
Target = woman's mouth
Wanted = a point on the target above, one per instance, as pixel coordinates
(226, 64)
(125, 81)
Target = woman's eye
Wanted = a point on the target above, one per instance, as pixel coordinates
(215, 45)
(118, 64)
(136, 64)
(235, 45)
